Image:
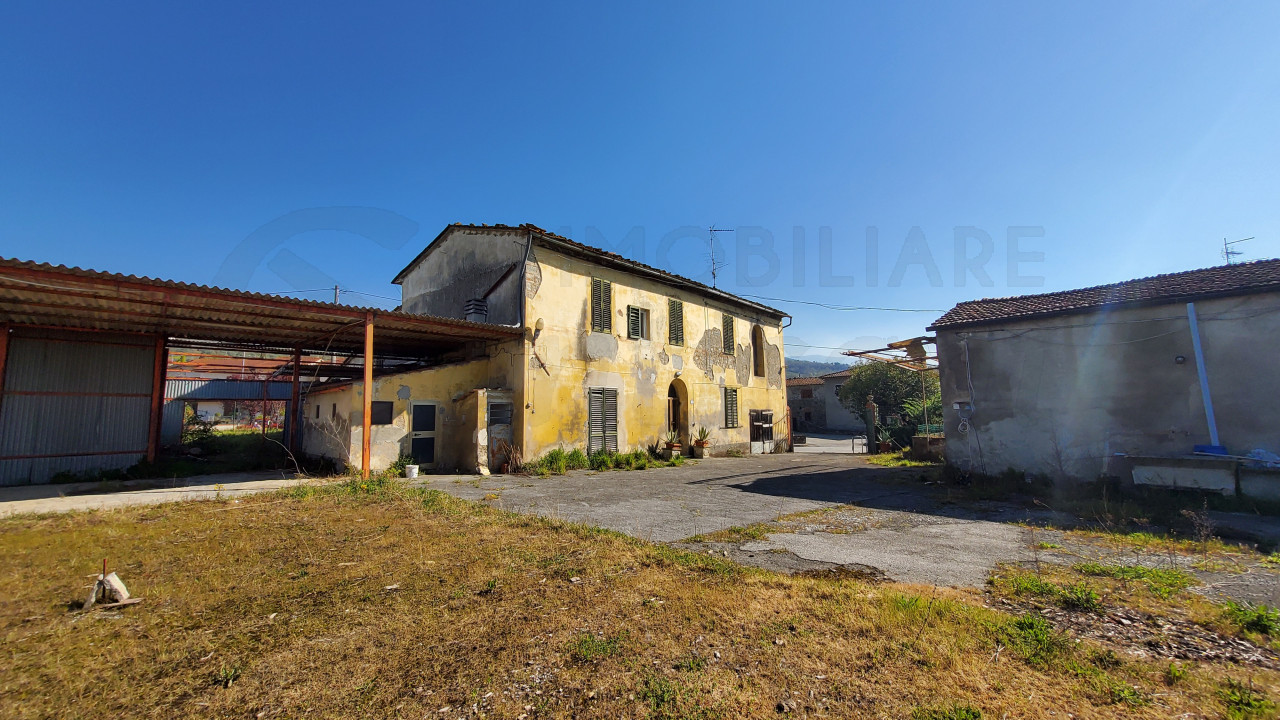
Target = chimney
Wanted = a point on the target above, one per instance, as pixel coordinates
(476, 310)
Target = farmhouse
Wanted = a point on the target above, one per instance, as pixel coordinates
(613, 354)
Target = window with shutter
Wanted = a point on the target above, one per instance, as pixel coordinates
(731, 407)
(728, 334)
(602, 420)
(675, 322)
(637, 323)
(601, 305)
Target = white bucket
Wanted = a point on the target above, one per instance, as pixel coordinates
(411, 471)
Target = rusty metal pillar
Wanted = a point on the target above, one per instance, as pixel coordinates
(265, 385)
(368, 395)
(4, 357)
(295, 412)
(158, 371)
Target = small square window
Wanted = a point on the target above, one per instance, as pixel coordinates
(381, 411)
(806, 393)
(637, 323)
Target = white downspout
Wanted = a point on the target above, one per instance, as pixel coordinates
(1204, 374)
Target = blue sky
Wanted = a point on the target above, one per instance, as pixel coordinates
(1118, 139)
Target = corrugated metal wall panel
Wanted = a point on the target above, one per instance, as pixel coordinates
(68, 424)
(59, 366)
(39, 470)
(171, 422)
(73, 421)
(226, 390)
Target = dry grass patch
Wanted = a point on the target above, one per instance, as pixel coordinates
(378, 601)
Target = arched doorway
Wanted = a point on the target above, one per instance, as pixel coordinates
(678, 410)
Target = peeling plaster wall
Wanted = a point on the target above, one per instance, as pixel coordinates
(641, 370)
(1061, 395)
(464, 265)
(460, 441)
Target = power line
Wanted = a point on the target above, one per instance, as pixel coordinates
(840, 307)
(365, 294)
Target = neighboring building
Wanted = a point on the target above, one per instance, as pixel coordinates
(804, 399)
(1072, 384)
(816, 401)
(839, 417)
(614, 354)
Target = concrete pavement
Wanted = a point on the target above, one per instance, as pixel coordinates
(66, 497)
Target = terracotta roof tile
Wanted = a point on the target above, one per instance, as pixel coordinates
(598, 254)
(1234, 279)
(804, 381)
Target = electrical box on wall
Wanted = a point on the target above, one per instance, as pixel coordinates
(962, 406)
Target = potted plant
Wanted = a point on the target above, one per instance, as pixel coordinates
(701, 441)
(886, 440)
(672, 445)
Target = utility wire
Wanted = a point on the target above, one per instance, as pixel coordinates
(840, 307)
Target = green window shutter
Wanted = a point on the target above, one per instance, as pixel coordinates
(606, 304)
(595, 420)
(728, 334)
(675, 322)
(731, 407)
(601, 305)
(602, 420)
(633, 323)
(595, 305)
(610, 419)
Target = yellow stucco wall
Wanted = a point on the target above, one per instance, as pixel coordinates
(460, 431)
(642, 370)
(547, 378)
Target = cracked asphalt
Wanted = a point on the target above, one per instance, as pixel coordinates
(896, 531)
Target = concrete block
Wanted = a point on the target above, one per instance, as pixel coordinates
(1186, 474)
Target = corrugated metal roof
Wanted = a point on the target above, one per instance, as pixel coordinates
(57, 296)
(226, 390)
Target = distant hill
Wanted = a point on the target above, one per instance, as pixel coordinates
(797, 368)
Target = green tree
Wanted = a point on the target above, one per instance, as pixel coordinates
(889, 385)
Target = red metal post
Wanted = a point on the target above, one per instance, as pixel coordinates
(264, 408)
(4, 356)
(368, 395)
(157, 397)
(295, 412)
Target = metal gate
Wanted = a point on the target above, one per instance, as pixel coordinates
(761, 431)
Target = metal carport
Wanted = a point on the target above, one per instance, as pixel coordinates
(41, 300)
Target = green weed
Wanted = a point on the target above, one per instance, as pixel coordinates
(950, 712)
(1080, 597)
(1259, 619)
(588, 648)
(1244, 702)
(1163, 582)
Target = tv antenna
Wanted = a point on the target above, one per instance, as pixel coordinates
(1227, 252)
(711, 242)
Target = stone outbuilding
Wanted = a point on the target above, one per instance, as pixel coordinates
(1168, 372)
